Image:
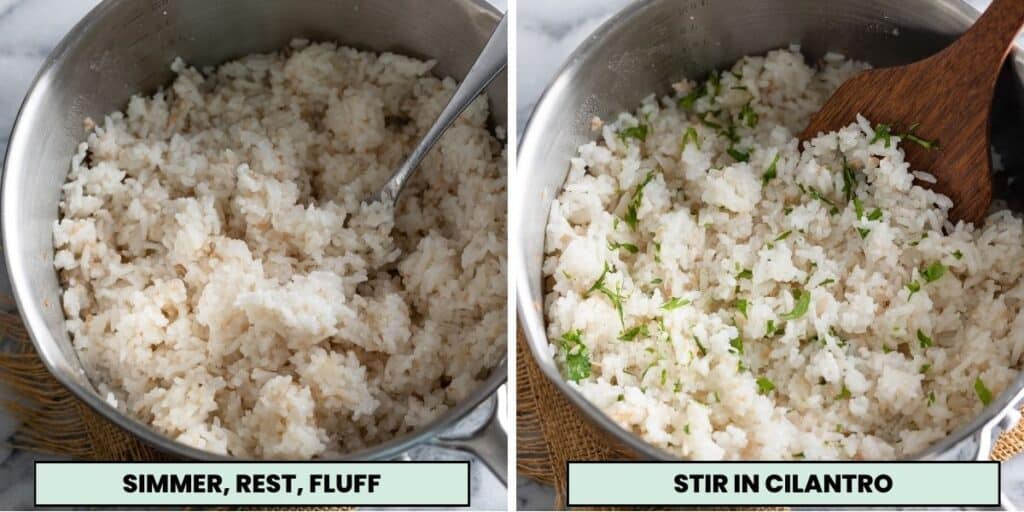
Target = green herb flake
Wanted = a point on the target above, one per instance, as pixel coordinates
(764, 385)
(741, 305)
(849, 180)
(686, 102)
(686, 428)
(770, 328)
(783, 236)
(931, 398)
(748, 116)
(614, 246)
(800, 309)
(737, 344)
(875, 214)
(957, 254)
(621, 397)
(827, 282)
(634, 203)
(982, 391)
(924, 368)
(745, 274)
(577, 357)
(798, 455)
(858, 208)
(914, 287)
(886, 349)
(678, 387)
(771, 172)
(933, 272)
(688, 137)
(739, 156)
(664, 375)
(924, 339)
(844, 394)
(700, 346)
(614, 296)
(882, 132)
(632, 333)
(638, 132)
(656, 280)
(863, 232)
(924, 143)
(674, 303)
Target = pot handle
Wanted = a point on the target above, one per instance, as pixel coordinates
(489, 442)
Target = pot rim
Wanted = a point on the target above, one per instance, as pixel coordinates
(531, 316)
(28, 310)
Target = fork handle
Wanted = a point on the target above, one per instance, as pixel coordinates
(489, 64)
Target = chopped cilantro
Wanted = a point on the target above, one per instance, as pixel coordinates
(924, 339)
(925, 367)
(931, 398)
(882, 132)
(827, 281)
(690, 136)
(914, 287)
(844, 394)
(745, 274)
(863, 232)
(764, 385)
(635, 201)
(849, 180)
(802, 302)
(748, 116)
(674, 303)
(638, 132)
(875, 214)
(957, 254)
(983, 393)
(677, 387)
(737, 343)
(577, 357)
(771, 172)
(886, 349)
(783, 236)
(858, 208)
(739, 156)
(614, 296)
(614, 246)
(700, 346)
(741, 305)
(933, 272)
(632, 333)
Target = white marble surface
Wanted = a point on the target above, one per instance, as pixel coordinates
(547, 33)
(29, 29)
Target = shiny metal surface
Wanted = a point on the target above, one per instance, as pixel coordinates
(651, 44)
(123, 47)
(492, 60)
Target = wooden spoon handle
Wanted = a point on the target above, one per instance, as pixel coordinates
(983, 48)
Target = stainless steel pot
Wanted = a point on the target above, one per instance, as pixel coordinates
(124, 47)
(651, 44)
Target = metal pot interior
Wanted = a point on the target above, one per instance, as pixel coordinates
(653, 43)
(125, 47)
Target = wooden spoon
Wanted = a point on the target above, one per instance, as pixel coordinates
(947, 98)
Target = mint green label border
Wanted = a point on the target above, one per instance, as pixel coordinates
(404, 484)
(939, 483)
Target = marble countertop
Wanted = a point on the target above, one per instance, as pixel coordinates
(29, 29)
(547, 32)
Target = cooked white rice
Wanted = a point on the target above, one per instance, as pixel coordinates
(872, 368)
(224, 284)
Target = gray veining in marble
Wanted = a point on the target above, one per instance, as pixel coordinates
(29, 29)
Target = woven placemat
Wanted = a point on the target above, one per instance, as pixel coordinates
(550, 431)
